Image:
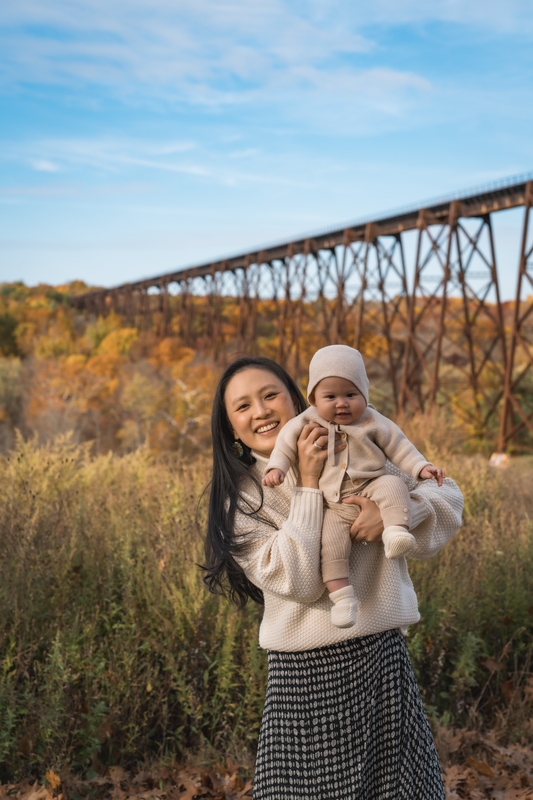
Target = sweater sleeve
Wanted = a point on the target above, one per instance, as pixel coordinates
(436, 512)
(285, 452)
(398, 449)
(286, 562)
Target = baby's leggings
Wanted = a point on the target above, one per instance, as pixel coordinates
(391, 496)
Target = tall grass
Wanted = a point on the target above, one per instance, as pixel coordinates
(473, 648)
(110, 648)
(112, 651)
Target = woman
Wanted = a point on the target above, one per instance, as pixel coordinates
(343, 717)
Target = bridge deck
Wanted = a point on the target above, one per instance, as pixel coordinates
(506, 194)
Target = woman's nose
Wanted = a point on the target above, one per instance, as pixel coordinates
(260, 409)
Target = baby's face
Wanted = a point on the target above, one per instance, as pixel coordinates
(339, 401)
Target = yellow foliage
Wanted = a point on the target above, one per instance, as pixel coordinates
(118, 342)
(169, 351)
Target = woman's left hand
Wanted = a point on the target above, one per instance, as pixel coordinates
(312, 454)
(368, 526)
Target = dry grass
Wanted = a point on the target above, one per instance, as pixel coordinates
(110, 648)
(113, 653)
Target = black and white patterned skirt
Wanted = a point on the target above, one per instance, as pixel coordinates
(346, 722)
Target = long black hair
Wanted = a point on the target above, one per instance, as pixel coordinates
(223, 575)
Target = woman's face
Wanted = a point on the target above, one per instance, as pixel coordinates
(258, 405)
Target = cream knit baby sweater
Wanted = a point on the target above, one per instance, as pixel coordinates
(371, 440)
(282, 557)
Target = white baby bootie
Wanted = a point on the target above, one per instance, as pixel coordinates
(344, 609)
(398, 541)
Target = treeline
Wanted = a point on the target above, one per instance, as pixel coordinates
(112, 385)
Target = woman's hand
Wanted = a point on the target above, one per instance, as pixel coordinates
(368, 526)
(311, 456)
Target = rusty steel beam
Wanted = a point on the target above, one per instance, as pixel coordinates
(455, 335)
(517, 413)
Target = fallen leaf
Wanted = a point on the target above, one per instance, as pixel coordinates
(36, 792)
(247, 790)
(53, 780)
(190, 790)
(481, 767)
(117, 774)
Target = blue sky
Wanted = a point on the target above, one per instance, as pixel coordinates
(141, 136)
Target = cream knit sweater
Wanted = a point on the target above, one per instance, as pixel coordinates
(283, 559)
(371, 440)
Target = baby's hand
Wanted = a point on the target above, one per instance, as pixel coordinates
(274, 477)
(435, 473)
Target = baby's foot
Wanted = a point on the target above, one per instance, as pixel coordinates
(398, 541)
(344, 611)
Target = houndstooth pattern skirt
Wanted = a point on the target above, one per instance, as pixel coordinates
(346, 722)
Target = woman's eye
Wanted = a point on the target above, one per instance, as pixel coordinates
(271, 395)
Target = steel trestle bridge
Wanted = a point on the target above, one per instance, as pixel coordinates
(434, 333)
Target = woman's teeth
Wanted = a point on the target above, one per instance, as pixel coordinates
(266, 428)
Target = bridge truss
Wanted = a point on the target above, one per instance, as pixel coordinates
(417, 292)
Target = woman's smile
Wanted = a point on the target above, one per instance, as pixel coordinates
(267, 428)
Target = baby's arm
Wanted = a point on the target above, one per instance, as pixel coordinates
(274, 477)
(397, 447)
(435, 473)
(285, 452)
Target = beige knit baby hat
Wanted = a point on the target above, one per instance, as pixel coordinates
(338, 361)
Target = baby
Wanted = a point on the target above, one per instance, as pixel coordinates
(338, 393)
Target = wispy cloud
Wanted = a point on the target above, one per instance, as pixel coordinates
(20, 192)
(188, 45)
(105, 154)
(44, 165)
(312, 61)
(216, 55)
(120, 156)
(491, 15)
